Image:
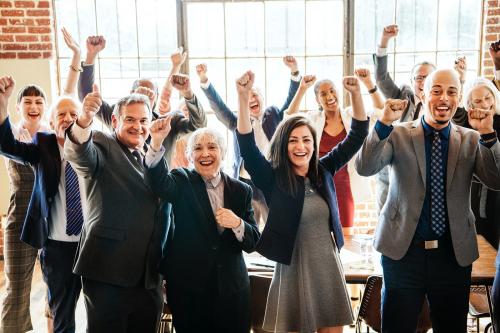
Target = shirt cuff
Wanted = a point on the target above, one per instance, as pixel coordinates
(239, 231)
(81, 134)
(296, 78)
(192, 100)
(86, 65)
(383, 131)
(488, 140)
(154, 157)
(205, 85)
(497, 74)
(381, 51)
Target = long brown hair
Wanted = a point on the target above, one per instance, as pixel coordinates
(280, 162)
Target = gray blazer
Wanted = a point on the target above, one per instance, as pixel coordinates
(121, 240)
(404, 150)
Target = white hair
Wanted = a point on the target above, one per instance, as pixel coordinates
(481, 82)
(200, 133)
(62, 98)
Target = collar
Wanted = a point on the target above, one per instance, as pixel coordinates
(429, 130)
(213, 182)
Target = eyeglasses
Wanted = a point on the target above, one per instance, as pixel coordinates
(420, 78)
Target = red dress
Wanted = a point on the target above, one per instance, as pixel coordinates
(341, 179)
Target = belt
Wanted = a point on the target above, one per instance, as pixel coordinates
(427, 245)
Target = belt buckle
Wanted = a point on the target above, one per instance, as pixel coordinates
(432, 244)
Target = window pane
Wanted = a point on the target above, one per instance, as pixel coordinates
(114, 89)
(417, 25)
(155, 67)
(118, 23)
(158, 27)
(405, 63)
(205, 29)
(278, 80)
(285, 30)
(119, 68)
(370, 18)
(325, 27)
(245, 29)
(236, 68)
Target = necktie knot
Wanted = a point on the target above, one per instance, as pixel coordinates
(138, 156)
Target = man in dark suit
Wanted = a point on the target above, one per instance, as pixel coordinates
(206, 277)
(54, 218)
(426, 230)
(120, 246)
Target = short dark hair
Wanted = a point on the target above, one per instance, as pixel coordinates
(280, 162)
(131, 99)
(30, 90)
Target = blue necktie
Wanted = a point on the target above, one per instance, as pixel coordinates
(437, 187)
(74, 217)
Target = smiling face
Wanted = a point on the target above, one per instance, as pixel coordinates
(482, 98)
(255, 103)
(206, 155)
(32, 109)
(326, 96)
(300, 149)
(63, 115)
(441, 97)
(132, 125)
(420, 73)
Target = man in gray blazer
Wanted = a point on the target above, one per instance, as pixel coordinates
(120, 246)
(426, 231)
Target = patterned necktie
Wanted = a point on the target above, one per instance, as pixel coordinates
(74, 217)
(138, 156)
(437, 187)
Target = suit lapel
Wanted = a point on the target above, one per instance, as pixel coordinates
(453, 152)
(417, 137)
(203, 201)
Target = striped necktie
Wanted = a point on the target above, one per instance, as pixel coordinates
(74, 216)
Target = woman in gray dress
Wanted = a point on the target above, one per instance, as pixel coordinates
(308, 291)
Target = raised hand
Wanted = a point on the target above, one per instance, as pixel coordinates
(181, 82)
(363, 74)
(245, 83)
(494, 50)
(201, 70)
(178, 57)
(461, 67)
(389, 32)
(291, 63)
(393, 110)
(7, 84)
(70, 42)
(226, 218)
(481, 120)
(351, 84)
(91, 105)
(159, 130)
(149, 93)
(307, 81)
(95, 44)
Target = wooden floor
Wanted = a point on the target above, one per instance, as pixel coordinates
(38, 292)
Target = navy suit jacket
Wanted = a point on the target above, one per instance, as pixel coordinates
(43, 154)
(278, 238)
(271, 118)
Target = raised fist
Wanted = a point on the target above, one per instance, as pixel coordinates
(351, 84)
(290, 62)
(393, 110)
(245, 83)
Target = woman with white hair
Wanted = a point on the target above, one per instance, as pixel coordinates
(482, 95)
(208, 288)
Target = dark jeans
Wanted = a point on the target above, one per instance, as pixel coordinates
(56, 259)
(433, 273)
(113, 308)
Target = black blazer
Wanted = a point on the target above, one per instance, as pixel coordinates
(43, 154)
(196, 247)
(278, 238)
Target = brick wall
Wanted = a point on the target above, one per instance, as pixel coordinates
(491, 33)
(27, 30)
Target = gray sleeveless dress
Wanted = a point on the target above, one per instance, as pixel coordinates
(310, 293)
